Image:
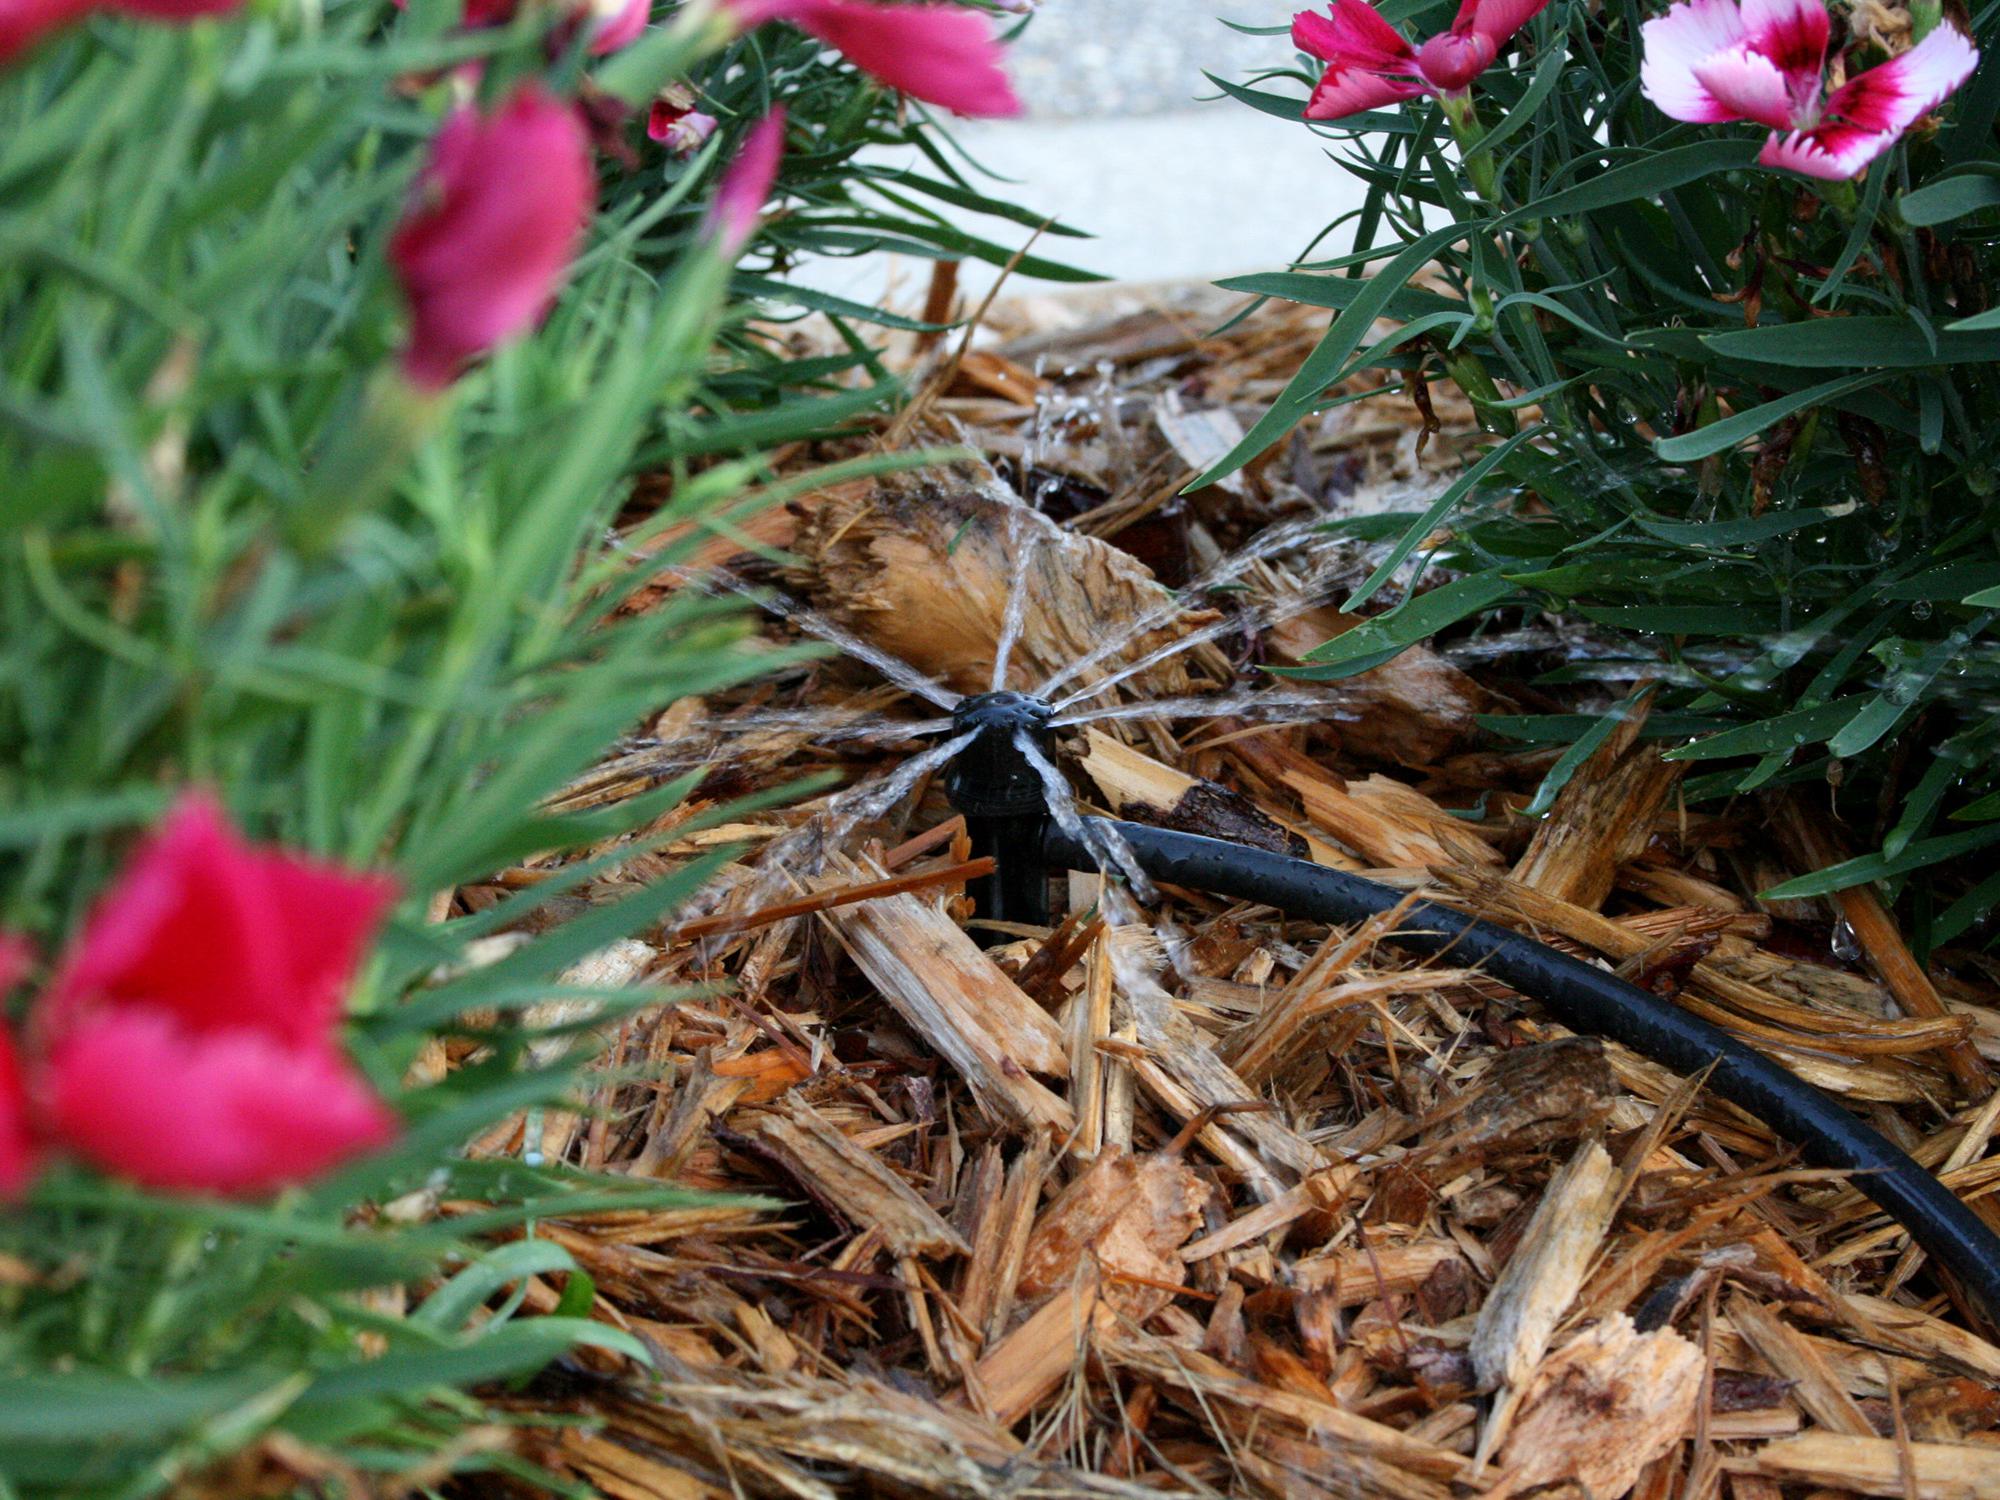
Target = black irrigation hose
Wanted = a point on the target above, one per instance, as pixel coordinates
(1588, 999)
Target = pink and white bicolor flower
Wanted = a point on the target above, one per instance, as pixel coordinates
(1369, 64)
(1765, 60)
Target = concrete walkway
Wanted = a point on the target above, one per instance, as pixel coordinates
(1099, 58)
(1118, 141)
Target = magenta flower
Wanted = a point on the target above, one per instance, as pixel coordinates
(17, 1142)
(17, 1139)
(23, 23)
(1369, 64)
(1765, 60)
(189, 1040)
(942, 54)
(171, 10)
(620, 22)
(622, 27)
(681, 128)
(491, 225)
(746, 184)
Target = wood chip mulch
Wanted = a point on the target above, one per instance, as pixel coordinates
(1306, 1217)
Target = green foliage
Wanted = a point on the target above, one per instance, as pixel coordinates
(1767, 442)
(235, 551)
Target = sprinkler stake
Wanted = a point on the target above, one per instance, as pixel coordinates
(1005, 806)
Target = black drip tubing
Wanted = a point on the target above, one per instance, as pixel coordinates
(1588, 999)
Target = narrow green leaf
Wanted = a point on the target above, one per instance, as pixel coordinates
(1377, 640)
(1548, 73)
(1580, 750)
(451, 1304)
(1944, 199)
(1647, 177)
(1739, 533)
(1311, 289)
(1340, 341)
(1720, 436)
(1426, 523)
(1875, 341)
(1780, 734)
(1867, 867)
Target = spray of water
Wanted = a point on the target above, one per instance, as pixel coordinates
(813, 623)
(1160, 655)
(1106, 847)
(1016, 615)
(1259, 617)
(1245, 704)
(804, 849)
(823, 724)
(1267, 543)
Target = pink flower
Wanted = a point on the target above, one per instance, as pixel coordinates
(619, 26)
(172, 10)
(681, 128)
(1765, 60)
(236, 1113)
(943, 54)
(17, 1141)
(23, 23)
(491, 225)
(1369, 64)
(622, 27)
(746, 185)
(189, 1040)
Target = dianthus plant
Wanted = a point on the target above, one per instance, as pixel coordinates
(1717, 277)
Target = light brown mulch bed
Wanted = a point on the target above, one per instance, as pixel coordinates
(1309, 1217)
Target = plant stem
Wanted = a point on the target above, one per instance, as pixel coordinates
(364, 459)
(1463, 116)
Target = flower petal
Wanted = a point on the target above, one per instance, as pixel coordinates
(1834, 152)
(17, 1146)
(1353, 35)
(1345, 91)
(682, 130)
(227, 1112)
(1749, 85)
(624, 27)
(186, 927)
(1792, 34)
(218, 932)
(940, 53)
(746, 182)
(1497, 20)
(23, 23)
(1678, 42)
(330, 916)
(1893, 96)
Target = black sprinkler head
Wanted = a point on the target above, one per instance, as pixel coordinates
(1005, 803)
(991, 777)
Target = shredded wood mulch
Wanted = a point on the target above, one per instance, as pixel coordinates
(1303, 1215)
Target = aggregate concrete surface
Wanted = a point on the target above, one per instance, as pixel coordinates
(1123, 137)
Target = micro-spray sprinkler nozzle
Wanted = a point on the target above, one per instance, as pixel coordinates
(1005, 803)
